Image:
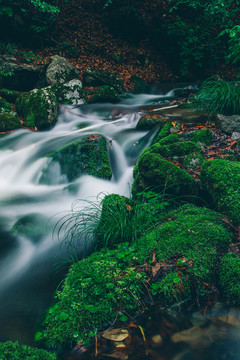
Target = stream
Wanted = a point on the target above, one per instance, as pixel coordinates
(29, 271)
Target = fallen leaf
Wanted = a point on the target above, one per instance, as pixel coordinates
(116, 334)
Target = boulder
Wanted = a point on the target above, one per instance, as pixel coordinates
(153, 172)
(60, 71)
(20, 77)
(9, 122)
(87, 156)
(70, 92)
(139, 85)
(4, 105)
(228, 124)
(221, 182)
(96, 77)
(38, 108)
(32, 226)
(105, 94)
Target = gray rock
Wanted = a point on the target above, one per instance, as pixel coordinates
(228, 124)
(96, 77)
(235, 135)
(71, 93)
(23, 77)
(60, 71)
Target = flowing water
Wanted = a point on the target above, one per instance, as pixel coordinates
(27, 277)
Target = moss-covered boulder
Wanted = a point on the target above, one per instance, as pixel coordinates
(195, 237)
(139, 85)
(9, 122)
(38, 108)
(168, 129)
(96, 77)
(153, 172)
(105, 94)
(221, 182)
(13, 351)
(32, 226)
(95, 290)
(69, 93)
(186, 247)
(4, 105)
(229, 277)
(87, 156)
(148, 122)
(174, 149)
(204, 136)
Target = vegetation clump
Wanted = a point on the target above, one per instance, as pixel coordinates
(166, 131)
(218, 96)
(220, 180)
(174, 149)
(4, 106)
(12, 350)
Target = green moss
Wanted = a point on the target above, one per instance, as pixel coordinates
(193, 160)
(170, 139)
(155, 173)
(9, 122)
(13, 351)
(175, 149)
(33, 226)
(105, 94)
(204, 136)
(229, 277)
(95, 290)
(194, 234)
(4, 106)
(221, 181)
(148, 122)
(166, 130)
(38, 108)
(87, 156)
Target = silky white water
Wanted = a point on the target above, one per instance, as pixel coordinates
(27, 279)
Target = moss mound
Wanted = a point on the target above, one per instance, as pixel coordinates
(87, 156)
(13, 351)
(186, 246)
(192, 239)
(148, 122)
(166, 130)
(105, 94)
(95, 290)
(221, 181)
(174, 149)
(9, 122)
(204, 136)
(38, 108)
(229, 277)
(155, 173)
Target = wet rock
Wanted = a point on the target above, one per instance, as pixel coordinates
(184, 115)
(9, 122)
(60, 71)
(32, 226)
(87, 156)
(69, 93)
(229, 124)
(38, 108)
(116, 335)
(139, 85)
(105, 94)
(96, 77)
(148, 122)
(23, 78)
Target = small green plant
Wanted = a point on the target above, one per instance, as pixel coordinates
(219, 96)
(69, 50)
(7, 48)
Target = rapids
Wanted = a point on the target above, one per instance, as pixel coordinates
(27, 276)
